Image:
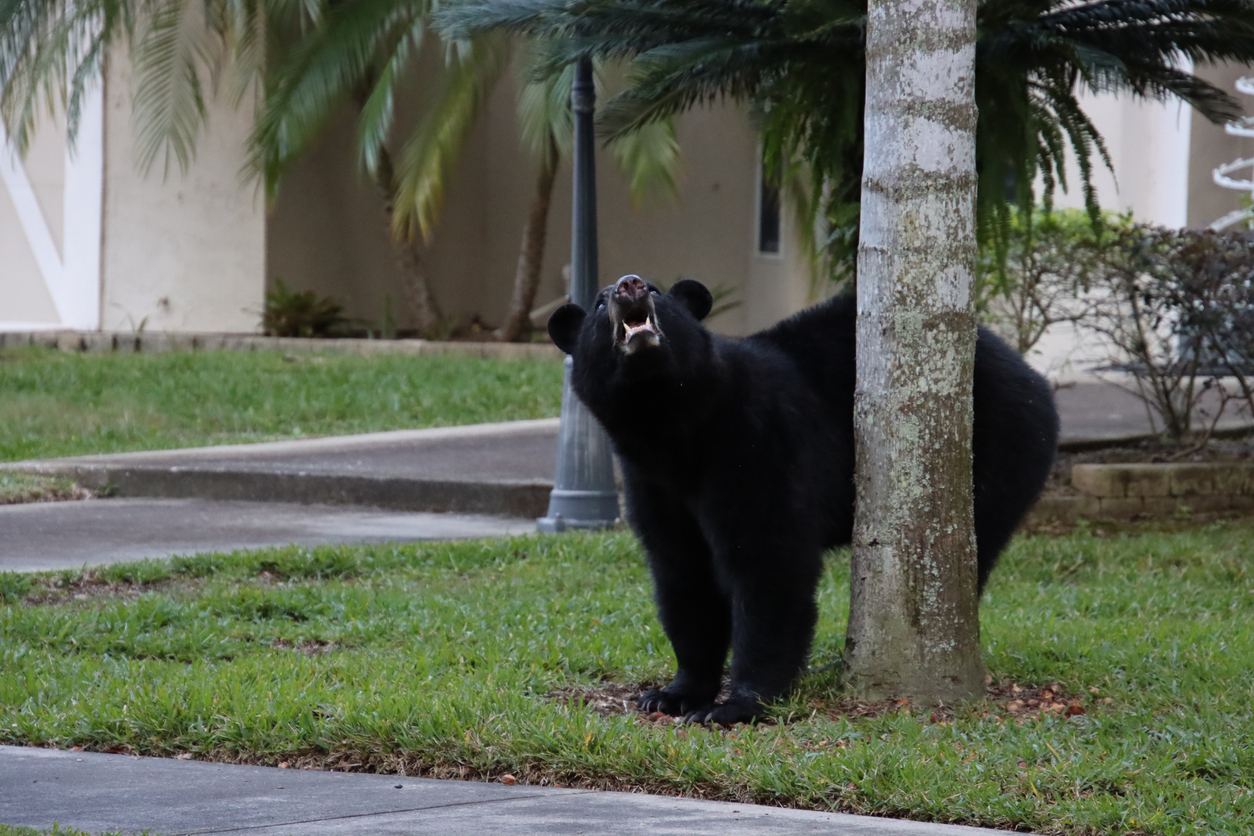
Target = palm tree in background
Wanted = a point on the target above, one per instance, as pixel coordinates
(304, 62)
(359, 54)
(800, 65)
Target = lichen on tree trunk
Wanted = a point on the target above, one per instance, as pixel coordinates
(913, 623)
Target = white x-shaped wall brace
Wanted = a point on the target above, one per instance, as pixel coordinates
(72, 276)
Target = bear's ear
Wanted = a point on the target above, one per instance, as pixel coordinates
(693, 296)
(564, 327)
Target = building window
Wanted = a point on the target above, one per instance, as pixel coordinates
(768, 213)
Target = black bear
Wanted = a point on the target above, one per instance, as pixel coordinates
(737, 456)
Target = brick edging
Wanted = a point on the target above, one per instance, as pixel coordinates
(1123, 491)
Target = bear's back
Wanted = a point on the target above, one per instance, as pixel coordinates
(820, 341)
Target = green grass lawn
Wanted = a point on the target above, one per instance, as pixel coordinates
(61, 404)
(478, 659)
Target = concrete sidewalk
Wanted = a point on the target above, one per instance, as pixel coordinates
(95, 792)
(69, 535)
(503, 469)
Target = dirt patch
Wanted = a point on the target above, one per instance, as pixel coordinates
(1003, 702)
(68, 588)
(316, 647)
(21, 488)
(610, 699)
(1038, 702)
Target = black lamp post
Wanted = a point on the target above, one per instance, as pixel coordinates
(583, 487)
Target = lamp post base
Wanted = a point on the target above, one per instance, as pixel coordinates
(589, 510)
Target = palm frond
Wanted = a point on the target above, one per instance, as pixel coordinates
(544, 114)
(352, 47)
(799, 64)
(169, 101)
(651, 160)
(434, 148)
(50, 56)
(379, 108)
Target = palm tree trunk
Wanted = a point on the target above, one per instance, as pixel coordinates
(913, 621)
(414, 286)
(531, 256)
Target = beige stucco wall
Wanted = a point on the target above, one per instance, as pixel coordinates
(326, 230)
(1148, 143)
(181, 252)
(45, 166)
(1164, 155)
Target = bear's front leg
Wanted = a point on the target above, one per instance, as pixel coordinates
(694, 611)
(774, 614)
(697, 620)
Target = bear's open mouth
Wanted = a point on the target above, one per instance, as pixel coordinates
(637, 327)
(632, 314)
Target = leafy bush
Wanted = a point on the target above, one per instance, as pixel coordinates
(1178, 308)
(291, 313)
(1039, 279)
(1213, 288)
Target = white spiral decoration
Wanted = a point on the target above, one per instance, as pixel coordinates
(1223, 175)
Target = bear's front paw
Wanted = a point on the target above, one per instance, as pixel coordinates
(673, 703)
(728, 713)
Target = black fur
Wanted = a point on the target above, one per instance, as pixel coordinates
(738, 460)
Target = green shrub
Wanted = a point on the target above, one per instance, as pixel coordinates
(290, 313)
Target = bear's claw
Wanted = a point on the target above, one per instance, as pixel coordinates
(675, 704)
(727, 713)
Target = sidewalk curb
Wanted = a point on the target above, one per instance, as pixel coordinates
(201, 472)
(510, 499)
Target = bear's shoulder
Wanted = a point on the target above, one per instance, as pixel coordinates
(820, 342)
(833, 320)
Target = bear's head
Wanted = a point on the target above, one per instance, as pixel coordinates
(635, 333)
(631, 315)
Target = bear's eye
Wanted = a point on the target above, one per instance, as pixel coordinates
(654, 291)
(600, 304)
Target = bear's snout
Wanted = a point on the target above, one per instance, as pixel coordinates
(631, 288)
